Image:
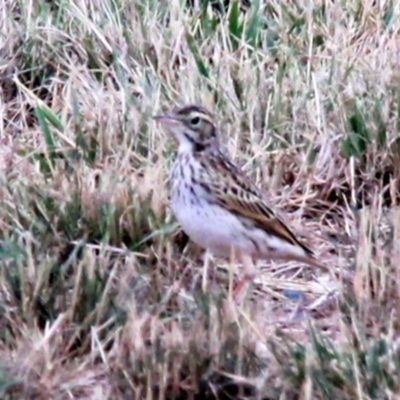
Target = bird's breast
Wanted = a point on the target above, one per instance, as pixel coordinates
(205, 222)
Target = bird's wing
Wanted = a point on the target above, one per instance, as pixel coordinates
(233, 190)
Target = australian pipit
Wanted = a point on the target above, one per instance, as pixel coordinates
(217, 205)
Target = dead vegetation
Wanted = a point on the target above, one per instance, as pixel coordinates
(100, 296)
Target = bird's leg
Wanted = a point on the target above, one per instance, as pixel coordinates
(243, 285)
(205, 271)
(230, 312)
(232, 260)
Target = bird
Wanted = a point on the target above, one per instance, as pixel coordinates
(217, 205)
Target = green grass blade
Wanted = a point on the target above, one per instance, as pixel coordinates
(201, 66)
(234, 24)
(48, 136)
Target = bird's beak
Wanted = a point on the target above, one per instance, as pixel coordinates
(167, 119)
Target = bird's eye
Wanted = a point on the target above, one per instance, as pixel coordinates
(195, 120)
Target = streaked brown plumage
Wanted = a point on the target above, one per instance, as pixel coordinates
(218, 206)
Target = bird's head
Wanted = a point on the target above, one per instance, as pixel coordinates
(193, 126)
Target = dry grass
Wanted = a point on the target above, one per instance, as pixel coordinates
(100, 296)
